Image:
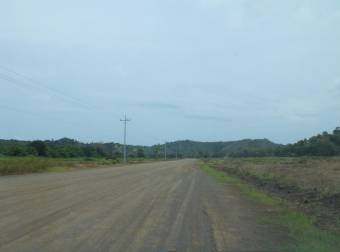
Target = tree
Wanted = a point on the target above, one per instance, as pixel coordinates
(40, 147)
(89, 151)
(156, 150)
(140, 153)
(16, 150)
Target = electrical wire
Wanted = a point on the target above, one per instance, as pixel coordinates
(27, 81)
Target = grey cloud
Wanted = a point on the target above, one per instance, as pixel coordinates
(307, 114)
(159, 105)
(263, 68)
(208, 117)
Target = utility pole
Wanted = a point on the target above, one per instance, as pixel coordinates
(165, 151)
(177, 149)
(125, 120)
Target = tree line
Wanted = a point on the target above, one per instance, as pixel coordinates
(65, 148)
(325, 144)
(69, 148)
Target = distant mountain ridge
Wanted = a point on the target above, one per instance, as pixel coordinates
(190, 148)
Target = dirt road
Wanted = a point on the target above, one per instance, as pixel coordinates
(165, 206)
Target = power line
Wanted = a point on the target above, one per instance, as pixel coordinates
(125, 120)
(46, 117)
(25, 81)
(18, 110)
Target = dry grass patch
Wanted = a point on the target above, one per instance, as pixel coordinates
(22, 165)
(261, 173)
(313, 184)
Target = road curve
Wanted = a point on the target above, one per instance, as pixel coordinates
(163, 206)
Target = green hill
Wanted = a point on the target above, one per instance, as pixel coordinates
(189, 148)
(325, 144)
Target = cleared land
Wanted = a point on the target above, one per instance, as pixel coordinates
(165, 206)
(312, 184)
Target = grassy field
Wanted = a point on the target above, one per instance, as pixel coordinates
(303, 228)
(320, 175)
(22, 165)
(312, 184)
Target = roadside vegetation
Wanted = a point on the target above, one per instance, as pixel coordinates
(22, 165)
(303, 191)
(66, 148)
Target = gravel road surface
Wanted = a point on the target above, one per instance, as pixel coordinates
(161, 207)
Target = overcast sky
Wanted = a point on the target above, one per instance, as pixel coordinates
(181, 69)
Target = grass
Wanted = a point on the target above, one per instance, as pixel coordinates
(301, 227)
(321, 174)
(22, 165)
(245, 188)
(312, 184)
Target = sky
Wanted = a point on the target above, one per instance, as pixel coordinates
(205, 70)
